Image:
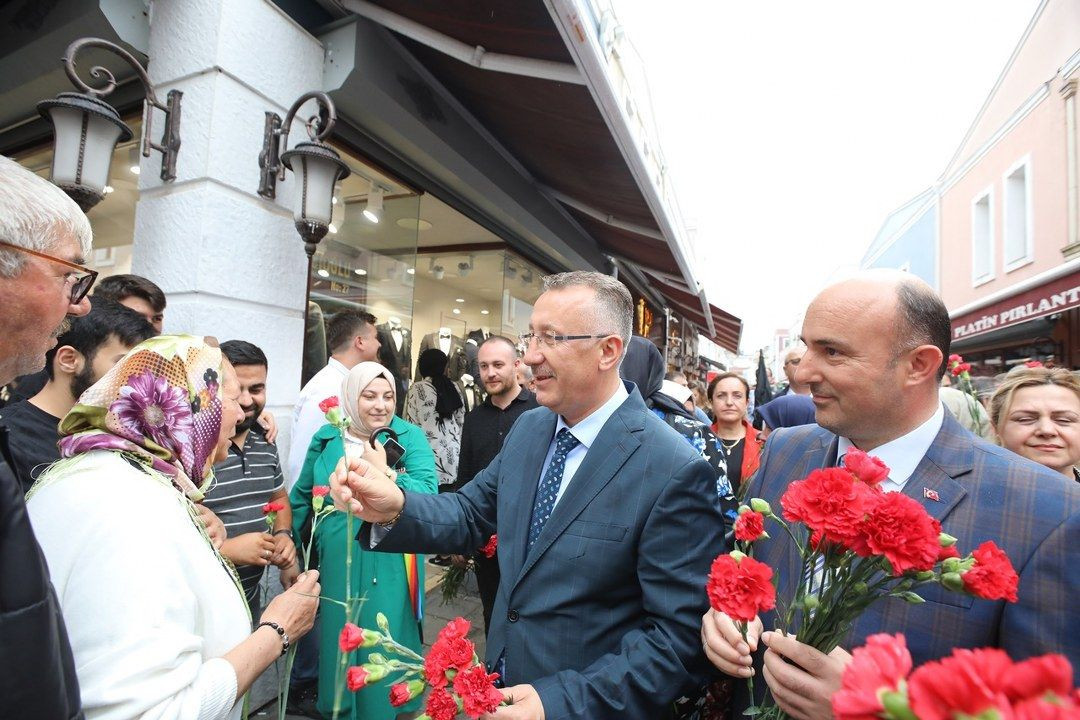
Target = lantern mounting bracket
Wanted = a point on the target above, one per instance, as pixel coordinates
(276, 138)
(169, 146)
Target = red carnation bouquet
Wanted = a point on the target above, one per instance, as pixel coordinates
(986, 684)
(857, 545)
(459, 682)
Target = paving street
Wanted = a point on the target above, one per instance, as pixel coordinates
(436, 615)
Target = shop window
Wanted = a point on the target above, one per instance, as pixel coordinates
(982, 238)
(1017, 236)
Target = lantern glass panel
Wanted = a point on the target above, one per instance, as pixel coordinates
(315, 189)
(82, 159)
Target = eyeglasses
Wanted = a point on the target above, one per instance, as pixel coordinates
(83, 281)
(550, 338)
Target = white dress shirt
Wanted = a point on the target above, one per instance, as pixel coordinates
(585, 432)
(308, 418)
(903, 454)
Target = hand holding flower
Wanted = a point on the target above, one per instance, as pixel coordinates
(803, 687)
(357, 487)
(724, 644)
(525, 705)
(254, 548)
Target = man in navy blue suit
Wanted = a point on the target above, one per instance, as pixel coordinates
(607, 521)
(875, 349)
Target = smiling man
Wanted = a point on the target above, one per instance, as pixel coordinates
(876, 345)
(607, 520)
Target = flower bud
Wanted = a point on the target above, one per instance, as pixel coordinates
(737, 555)
(383, 623)
(952, 581)
(896, 706)
(913, 598)
(924, 576)
(946, 540)
(951, 565)
(810, 602)
(759, 505)
(317, 503)
(859, 588)
(334, 416)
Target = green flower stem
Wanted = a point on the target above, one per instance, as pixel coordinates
(283, 695)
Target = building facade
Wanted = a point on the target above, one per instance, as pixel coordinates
(483, 170)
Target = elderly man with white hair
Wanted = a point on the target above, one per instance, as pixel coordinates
(44, 238)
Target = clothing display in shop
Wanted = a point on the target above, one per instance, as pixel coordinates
(454, 347)
(472, 350)
(395, 349)
(471, 393)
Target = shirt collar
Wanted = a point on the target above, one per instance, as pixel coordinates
(587, 430)
(903, 454)
(338, 365)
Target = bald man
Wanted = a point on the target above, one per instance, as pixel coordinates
(876, 349)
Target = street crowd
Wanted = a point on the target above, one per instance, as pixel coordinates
(144, 496)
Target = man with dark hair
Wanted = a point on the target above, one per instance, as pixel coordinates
(875, 347)
(483, 433)
(137, 293)
(249, 479)
(352, 339)
(92, 345)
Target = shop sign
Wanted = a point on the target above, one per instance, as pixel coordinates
(1061, 294)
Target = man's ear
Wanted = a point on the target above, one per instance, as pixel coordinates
(68, 361)
(611, 349)
(924, 362)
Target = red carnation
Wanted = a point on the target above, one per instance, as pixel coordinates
(875, 668)
(830, 502)
(320, 490)
(350, 638)
(1035, 677)
(356, 677)
(968, 681)
(399, 694)
(488, 550)
(1033, 364)
(993, 576)
(456, 628)
(948, 552)
(901, 530)
(441, 705)
(954, 358)
(436, 664)
(272, 507)
(869, 469)
(457, 650)
(749, 526)
(328, 403)
(1046, 709)
(477, 691)
(740, 588)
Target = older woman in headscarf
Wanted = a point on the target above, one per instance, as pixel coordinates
(157, 621)
(392, 584)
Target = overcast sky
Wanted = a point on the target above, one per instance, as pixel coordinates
(792, 128)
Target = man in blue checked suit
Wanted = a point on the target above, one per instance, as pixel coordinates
(607, 520)
(875, 355)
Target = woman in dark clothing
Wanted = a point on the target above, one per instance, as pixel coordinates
(786, 411)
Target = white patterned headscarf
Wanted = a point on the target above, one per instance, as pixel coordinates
(354, 383)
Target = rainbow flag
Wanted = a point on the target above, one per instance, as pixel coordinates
(412, 576)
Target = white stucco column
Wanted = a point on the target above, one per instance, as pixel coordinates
(230, 261)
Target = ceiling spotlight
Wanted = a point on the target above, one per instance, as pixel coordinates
(511, 271)
(360, 271)
(463, 269)
(460, 300)
(439, 272)
(485, 312)
(322, 273)
(457, 311)
(526, 277)
(373, 207)
(334, 200)
(411, 271)
(109, 189)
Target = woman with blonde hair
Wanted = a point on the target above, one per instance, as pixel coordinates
(1036, 414)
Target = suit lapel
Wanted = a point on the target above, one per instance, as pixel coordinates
(614, 445)
(522, 485)
(951, 455)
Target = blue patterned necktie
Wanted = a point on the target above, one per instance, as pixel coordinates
(549, 486)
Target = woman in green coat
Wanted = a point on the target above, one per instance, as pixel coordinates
(392, 584)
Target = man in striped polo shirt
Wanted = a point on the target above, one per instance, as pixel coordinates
(250, 479)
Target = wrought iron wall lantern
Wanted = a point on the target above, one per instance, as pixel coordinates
(87, 129)
(317, 167)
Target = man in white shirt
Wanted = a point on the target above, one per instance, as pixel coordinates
(607, 522)
(352, 338)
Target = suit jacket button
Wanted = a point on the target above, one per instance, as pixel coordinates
(512, 616)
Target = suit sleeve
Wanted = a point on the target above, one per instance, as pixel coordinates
(1041, 621)
(449, 523)
(679, 540)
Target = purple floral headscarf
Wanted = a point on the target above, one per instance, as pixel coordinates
(161, 403)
